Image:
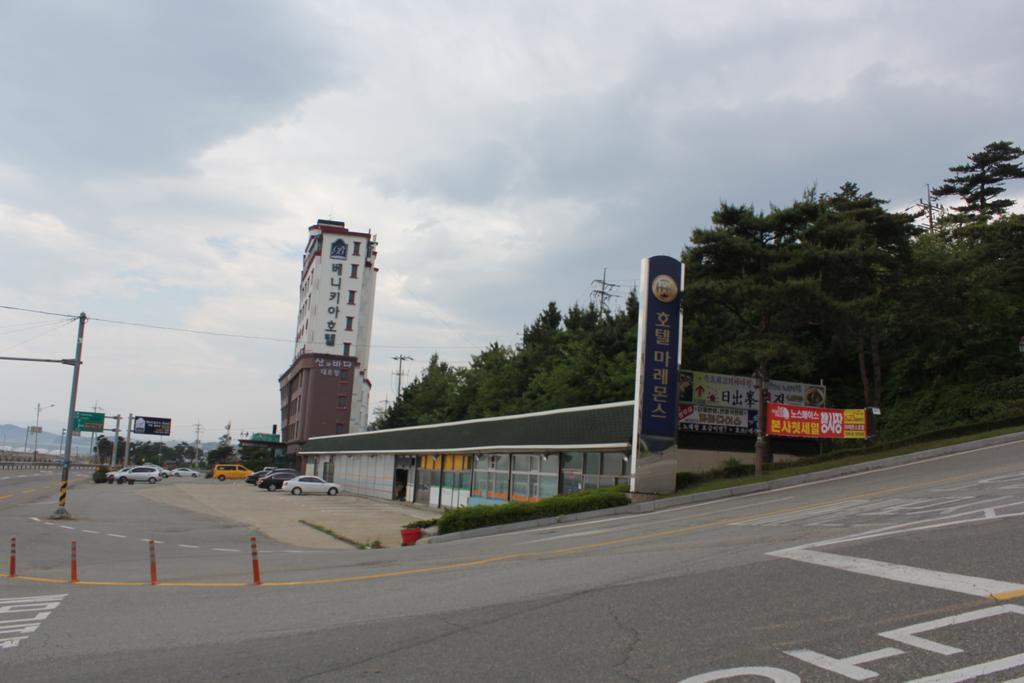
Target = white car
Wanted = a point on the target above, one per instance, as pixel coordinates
(299, 485)
(164, 472)
(184, 472)
(113, 475)
(148, 473)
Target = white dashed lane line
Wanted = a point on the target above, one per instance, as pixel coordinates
(187, 546)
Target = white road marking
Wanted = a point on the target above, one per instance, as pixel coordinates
(971, 672)
(227, 550)
(908, 635)
(117, 535)
(35, 519)
(65, 526)
(13, 631)
(958, 583)
(849, 666)
(185, 545)
(89, 531)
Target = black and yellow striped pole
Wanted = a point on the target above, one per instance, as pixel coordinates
(62, 510)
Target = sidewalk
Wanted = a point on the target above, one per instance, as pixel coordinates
(361, 520)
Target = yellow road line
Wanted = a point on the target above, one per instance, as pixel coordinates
(39, 579)
(1009, 595)
(204, 584)
(111, 583)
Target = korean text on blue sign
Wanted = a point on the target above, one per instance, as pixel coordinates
(659, 394)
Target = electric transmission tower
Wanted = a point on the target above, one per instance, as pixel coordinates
(603, 292)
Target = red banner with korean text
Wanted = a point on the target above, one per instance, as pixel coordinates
(816, 423)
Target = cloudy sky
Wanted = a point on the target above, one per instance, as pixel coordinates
(160, 163)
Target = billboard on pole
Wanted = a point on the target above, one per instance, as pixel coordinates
(160, 426)
(727, 404)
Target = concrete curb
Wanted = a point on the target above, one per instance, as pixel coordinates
(785, 482)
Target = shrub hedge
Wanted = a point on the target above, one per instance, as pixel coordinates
(461, 519)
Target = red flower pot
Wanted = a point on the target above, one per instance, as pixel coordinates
(410, 536)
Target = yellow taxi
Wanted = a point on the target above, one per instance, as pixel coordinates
(222, 472)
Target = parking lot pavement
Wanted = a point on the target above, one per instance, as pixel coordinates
(360, 520)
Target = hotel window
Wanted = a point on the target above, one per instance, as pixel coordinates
(352, 296)
(355, 270)
(339, 428)
(347, 351)
(355, 248)
(348, 323)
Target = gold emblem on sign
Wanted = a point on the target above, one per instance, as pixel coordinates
(664, 288)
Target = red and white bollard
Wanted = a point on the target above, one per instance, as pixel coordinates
(255, 562)
(74, 562)
(12, 573)
(152, 563)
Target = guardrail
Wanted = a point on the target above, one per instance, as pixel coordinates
(29, 465)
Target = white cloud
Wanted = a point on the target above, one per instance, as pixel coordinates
(505, 154)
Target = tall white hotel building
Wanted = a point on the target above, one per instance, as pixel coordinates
(326, 389)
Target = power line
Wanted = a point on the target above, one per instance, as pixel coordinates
(32, 310)
(234, 335)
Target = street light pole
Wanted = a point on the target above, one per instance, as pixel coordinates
(35, 441)
(62, 512)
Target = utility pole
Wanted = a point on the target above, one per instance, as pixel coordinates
(603, 292)
(62, 511)
(400, 358)
(92, 435)
(117, 440)
(195, 455)
(128, 438)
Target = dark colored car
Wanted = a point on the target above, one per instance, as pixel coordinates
(273, 481)
(255, 476)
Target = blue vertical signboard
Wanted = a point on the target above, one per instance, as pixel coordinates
(658, 347)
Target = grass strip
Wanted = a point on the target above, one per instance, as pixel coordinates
(335, 535)
(835, 460)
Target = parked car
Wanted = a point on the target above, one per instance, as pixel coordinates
(276, 479)
(227, 471)
(164, 472)
(113, 475)
(184, 472)
(147, 473)
(306, 484)
(255, 476)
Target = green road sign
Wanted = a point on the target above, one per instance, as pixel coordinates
(269, 438)
(89, 422)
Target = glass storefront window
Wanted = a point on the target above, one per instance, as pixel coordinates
(548, 486)
(592, 463)
(549, 463)
(611, 463)
(572, 461)
(522, 463)
(520, 486)
(500, 462)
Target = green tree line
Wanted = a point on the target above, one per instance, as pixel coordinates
(918, 315)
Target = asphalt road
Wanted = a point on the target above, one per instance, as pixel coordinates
(914, 573)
